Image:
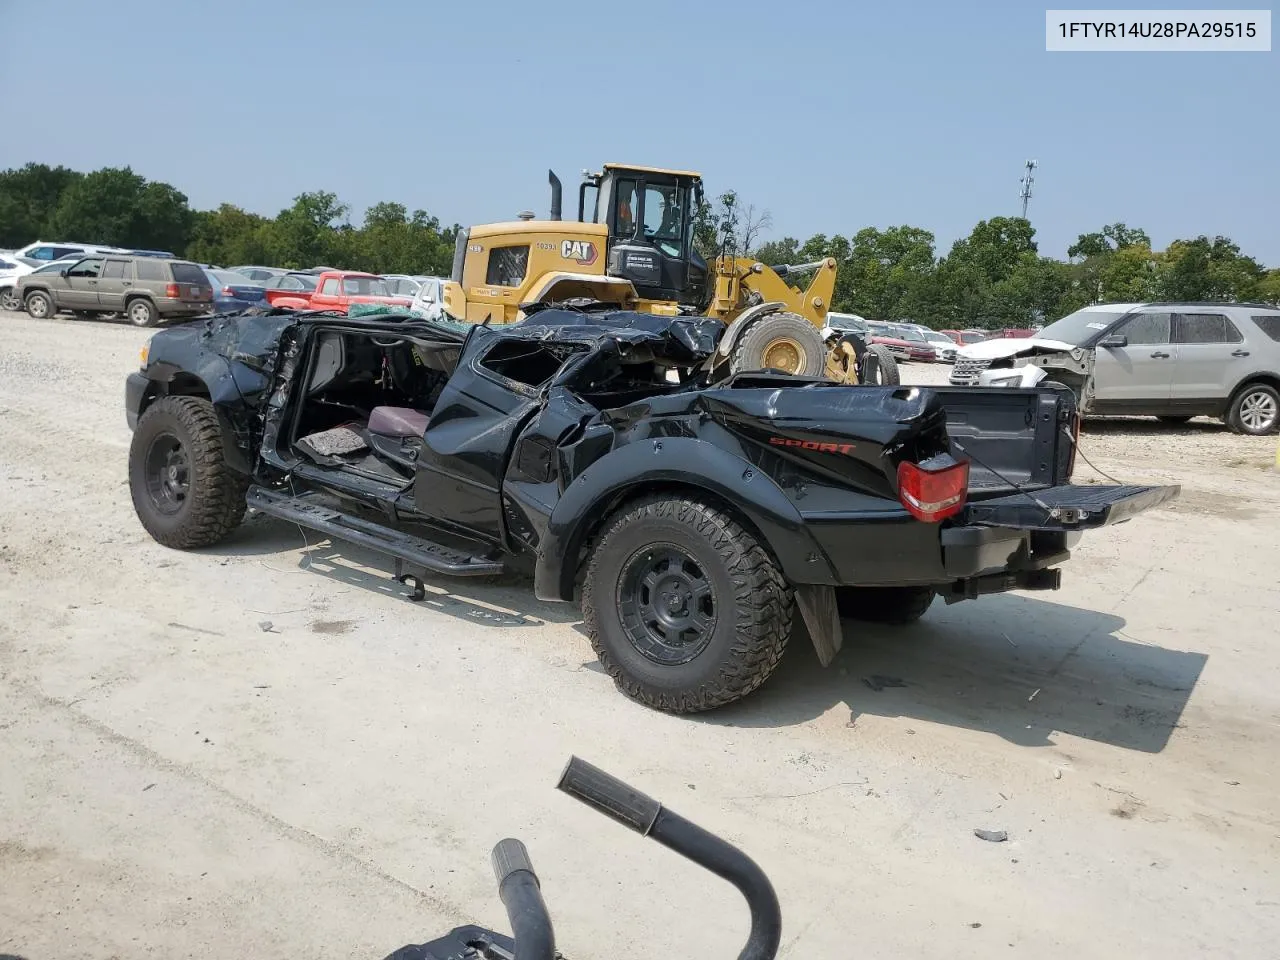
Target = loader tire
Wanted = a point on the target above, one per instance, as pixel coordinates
(686, 610)
(184, 493)
(894, 605)
(780, 341)
(879, 367)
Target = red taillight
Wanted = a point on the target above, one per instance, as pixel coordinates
(171, 291)
(933, 494)
(228, 292)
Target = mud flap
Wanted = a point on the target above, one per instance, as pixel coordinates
(818, 607)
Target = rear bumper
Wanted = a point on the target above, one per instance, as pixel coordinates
(1001, 543)
(182, 308)
(904, 552)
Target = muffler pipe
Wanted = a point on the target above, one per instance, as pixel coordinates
(649, 818)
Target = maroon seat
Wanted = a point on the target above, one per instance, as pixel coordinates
(398, 422)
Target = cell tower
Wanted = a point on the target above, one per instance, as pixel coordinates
(1028, 178)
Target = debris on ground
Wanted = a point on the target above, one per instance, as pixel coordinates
(991, 836)
(878, 683)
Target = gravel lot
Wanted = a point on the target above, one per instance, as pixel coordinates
(264, 750)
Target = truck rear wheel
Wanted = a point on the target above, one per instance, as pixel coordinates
(896, 605)
(780, 341)
(686, 610)
(184, 493)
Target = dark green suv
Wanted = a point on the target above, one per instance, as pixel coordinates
(144, 289)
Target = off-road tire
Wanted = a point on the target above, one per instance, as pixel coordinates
(40, 305)
(1237, 412)
(893, 605)
(1174, 421)
(215, 504)
(879, 356)
(754, 606)
(141, 312)
(749, 352)
(9, 300)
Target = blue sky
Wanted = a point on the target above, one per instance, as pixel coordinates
(831, 115)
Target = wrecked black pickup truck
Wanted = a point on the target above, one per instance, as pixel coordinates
(694, 521)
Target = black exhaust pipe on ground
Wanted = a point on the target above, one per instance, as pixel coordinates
(555, 194)
(649, 818)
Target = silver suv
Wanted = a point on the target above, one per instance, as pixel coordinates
(144, 289)
(1174, 361)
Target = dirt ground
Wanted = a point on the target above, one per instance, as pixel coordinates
(264, 750)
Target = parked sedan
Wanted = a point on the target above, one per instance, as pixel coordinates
(887, 337)
(402, 285)
(258, 274)
(233, 292)
(429, 300)
(292, 289)
(965, 337)
(917, 346)
(944, 348)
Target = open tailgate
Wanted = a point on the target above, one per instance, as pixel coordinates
(1068, 507)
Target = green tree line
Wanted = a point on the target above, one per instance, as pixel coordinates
(117, 207)
(994, 277)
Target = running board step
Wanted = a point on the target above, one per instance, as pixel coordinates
(431, 557)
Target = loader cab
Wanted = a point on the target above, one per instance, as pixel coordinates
(650, 216)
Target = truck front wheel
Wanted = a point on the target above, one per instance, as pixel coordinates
(184, 493)
(685, 609)
(895, 605)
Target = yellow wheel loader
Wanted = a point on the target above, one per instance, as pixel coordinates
(637, 250)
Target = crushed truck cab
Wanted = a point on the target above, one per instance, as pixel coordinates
(694, 521)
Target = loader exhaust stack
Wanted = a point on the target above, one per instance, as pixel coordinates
(555, 194)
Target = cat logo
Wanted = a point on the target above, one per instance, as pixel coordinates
(580, 251)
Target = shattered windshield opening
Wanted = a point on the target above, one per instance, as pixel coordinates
(1079, 327)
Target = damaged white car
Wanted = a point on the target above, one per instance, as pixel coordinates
(1174, 361)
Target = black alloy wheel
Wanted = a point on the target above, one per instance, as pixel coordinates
(667, 604)
(168, 474)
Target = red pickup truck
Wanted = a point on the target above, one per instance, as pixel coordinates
(338, 290)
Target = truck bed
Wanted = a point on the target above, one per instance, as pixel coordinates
(1013, 439)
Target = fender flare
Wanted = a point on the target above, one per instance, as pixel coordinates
(693, 465)
(221, 392)
(680, 462)
(743, 320)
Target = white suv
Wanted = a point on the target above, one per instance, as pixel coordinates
(1173, 361)
(45, 251)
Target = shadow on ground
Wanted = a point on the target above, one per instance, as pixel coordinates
(1009, 665)
(504, 601)
(1151, 427)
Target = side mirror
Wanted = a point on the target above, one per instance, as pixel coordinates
(1114, 340)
